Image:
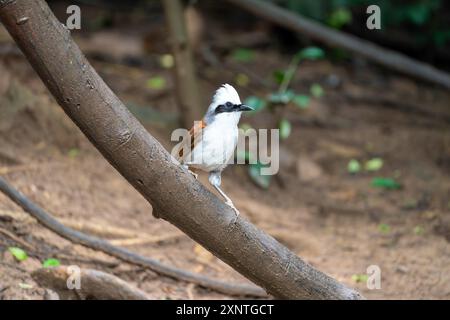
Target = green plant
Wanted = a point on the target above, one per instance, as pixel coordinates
(156, 83)
(353, 166)
(18, 253)
(260, 180)
(385, 183)
(277, 101)
(243, 55)
(384, 228)
(51, 263)
(284, 96)
(360, 278)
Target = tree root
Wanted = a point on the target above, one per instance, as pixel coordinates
(123, 254)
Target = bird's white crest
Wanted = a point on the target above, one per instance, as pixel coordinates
(226, 93)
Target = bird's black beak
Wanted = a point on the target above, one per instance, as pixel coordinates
(244, 107)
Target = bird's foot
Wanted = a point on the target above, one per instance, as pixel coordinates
(194, 174)
(236, 211)
(185, 166)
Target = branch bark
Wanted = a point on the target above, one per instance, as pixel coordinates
(187, 91)
(174, 193)
(314, 30)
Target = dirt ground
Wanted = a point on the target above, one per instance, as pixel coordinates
(334, 220)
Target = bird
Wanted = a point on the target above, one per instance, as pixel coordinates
(212, 141)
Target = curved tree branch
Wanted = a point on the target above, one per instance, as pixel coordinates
(173, 192)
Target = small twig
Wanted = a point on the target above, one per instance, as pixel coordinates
(189, 291)
(12, 266)
(145, 240)
(16, 239)
(99, 229)
(86, 260)
(15, 215)
(289, 74)
(24, 167)
(101, 245)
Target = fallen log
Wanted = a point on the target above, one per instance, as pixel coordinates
(93, 284)
(309, 28)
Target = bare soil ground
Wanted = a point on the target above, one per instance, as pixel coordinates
(315, 207)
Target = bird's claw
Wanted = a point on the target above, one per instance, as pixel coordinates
(236, 211)
(194, 174)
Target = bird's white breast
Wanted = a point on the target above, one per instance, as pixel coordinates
(217, 147)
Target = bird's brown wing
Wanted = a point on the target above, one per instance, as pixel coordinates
(195, 136)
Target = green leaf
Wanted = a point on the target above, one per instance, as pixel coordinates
(418, 230)
(245, 126)
(384, 228)
(156, 83)
(242, 79)
(311, 53)
(339, 18)
(285, 128)
(385, 183)
(374, 164)
(23, 285)
(441, 37)
(51, 263)
(418, 13)
(166, 61)
(301, 101)
(243, 55)
(282, 98)
(353, 166)
(245, 156)
(242, 155)
(317, 90)
(18, 253)
(360, 277)
(278, 76)
(73, 153)
(254, 170)
(256, 103)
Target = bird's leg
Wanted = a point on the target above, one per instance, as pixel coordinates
(215, 180)
(191, 172)
(227, 200)
(194, 174)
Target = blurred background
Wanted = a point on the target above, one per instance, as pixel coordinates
(364, 151)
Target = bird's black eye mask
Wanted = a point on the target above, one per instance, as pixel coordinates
(231, 107)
